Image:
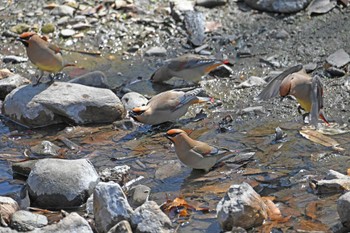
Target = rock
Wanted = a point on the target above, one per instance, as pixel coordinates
(125, 124)
(23, 168)
(330, 186)
(5, 73)
(282, 34)
(335, 72)
(343, 206)
(254, 109)
(110, 206)
(331, 174)
(24, 220)
(133, 99)
(121, 227)
(18, 192)
(59, 183)
(70, 224)
(168, 169)
(14, 59)
(7, 230)
(48, 28)
(67, 32)
(63, 10)
(320, 6)
(241, 207)
(90, 205)
(182, 5)
(251, 82)
(92, 79)
(81, 26)
(339, 58)
(45, 148)
(20, 28)
(156, 51)
(278, 6)
(9, 84)
(149, 218)
(138, 195)
(210, 3)
(8, 206)
(118, 174)
(195, 27)
(42, 105)
(310, 67)
(238, 230)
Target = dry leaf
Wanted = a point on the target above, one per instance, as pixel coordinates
(319, 138)
(311, 210)
(180, 207)
(50, 6)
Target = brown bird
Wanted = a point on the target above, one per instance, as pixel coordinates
(307, 90)
(44, 55)
(167, 106)
(188, 67)
(196, 154)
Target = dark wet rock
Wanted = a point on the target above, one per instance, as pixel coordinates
(223, 71)
(156, 51)
(24, 220)
(67, 32)
(20, 28)
(195, 27)
(63, 10)
(133, 99)
(138, 195)
(45, 148)
(321, 6)
(71, 223)
(117, 174)
(335, 72)
(343, 206)
(334, 182)
(241, 207)
(279, 134)
(48, 28)
(278, 6)
(150, 218)
(168, 169)
(125, 124)
(10, 83)
(42, 105)
(92, 79)
(59, 183)
(14, 59)
(251, 82)
(8, 206)
(23, 168)
(282, 34)
(18, 192)
(210, 3)
(310, 67)
(121, 227)
(110, 206)
(339, 58)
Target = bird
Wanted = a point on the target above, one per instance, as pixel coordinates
(189, 67)
(196, 154)
(307, 90)
(167, 106)
(44, 55)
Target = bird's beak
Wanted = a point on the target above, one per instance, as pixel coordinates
(167, 136)
(23, 41)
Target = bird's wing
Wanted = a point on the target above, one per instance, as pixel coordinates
(188, 97)
(272, 88)
(191, 62)
(316, 99)
(54, 48)
(206, 150)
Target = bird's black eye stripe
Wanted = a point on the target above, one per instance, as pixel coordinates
(173, 134)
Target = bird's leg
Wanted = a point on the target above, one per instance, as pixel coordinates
(52, 78)
(39, 78)
(299, 110)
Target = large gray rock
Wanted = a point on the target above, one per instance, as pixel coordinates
(24, 220)
(110, 206)
(73, 223)
(279, 6)
(8, 206)
(343, 207)
(149, 218)
(241, 207)
(42, 105)
(59, 183)
(92, 79)
(11, 83)
(339, 58)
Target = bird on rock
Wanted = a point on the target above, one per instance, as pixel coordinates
(167, 106)
(307, 90)
(44, 55)
(188, 67)
(196, 154)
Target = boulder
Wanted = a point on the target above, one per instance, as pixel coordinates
(24, 220)
(343, 207)
(110, 206)
(10, 83)
(42, 105)
(60, 183)
(241, 207)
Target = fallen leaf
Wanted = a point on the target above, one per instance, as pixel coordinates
(306, 225)
(179, 207)
(319, 138)
(311, 209)
(50, 6)
(216, 188)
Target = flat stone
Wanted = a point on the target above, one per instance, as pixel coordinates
(23, 168)
(251, 82)
(10, 83)
(14, 59)
(138, 195)
(278, 6)
(339, 58)
(320, 6)
(210, 3)
(45, 148)
(67, 32)
(156, 51)
(63, 10)
(24, 220)
(92, 79)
